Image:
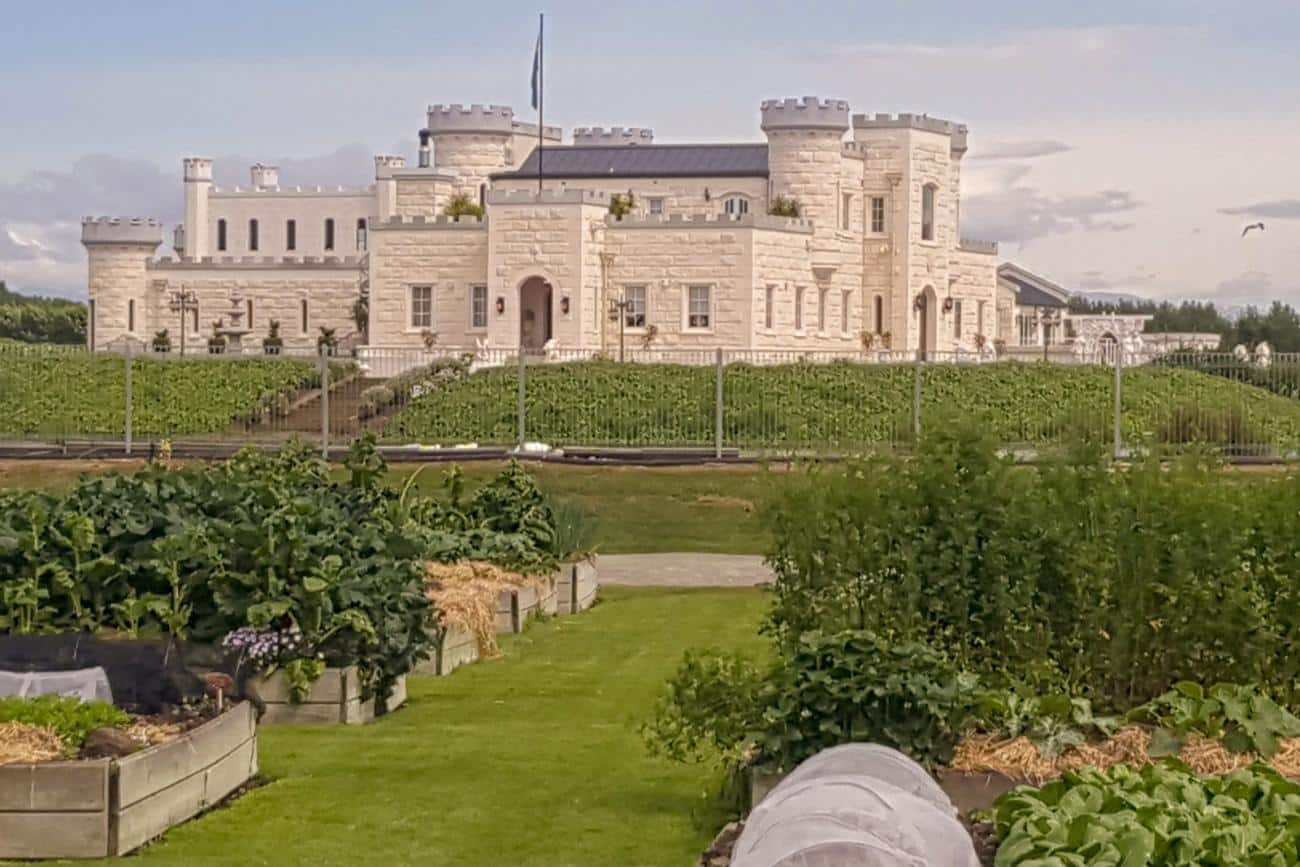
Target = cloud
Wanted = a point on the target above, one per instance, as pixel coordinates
(1020, 150)
(1016, 212)
(1279, 209)
(1099, 280)
(1250, 284)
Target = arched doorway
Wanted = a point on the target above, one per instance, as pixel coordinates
(534, 313)
(927, 312)
(1108, 348)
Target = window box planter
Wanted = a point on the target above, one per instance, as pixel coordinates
(94, 809)
(334, 699)
(458, 647)
(577, 585)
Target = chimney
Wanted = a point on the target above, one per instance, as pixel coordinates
(424, 148)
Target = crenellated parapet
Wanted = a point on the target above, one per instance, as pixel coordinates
(547, 197)
(471, 119)
(198, 169)
(166, 263)
(422, 222)
(615, 135)
(121, 230)
(808, 113)
(956, 131)
(711, 221)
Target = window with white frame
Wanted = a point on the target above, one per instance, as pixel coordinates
(699, 306)
(846, 211)
(822, 295)
(928, 193)
(478, 306)
(735, 206)
(655, 206)
(956, 319)
(798, 308)
(634, 310)
(878, 215)
(845, 301)
(769, 302)
(421, 306)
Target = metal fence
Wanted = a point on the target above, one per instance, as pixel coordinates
(709, 402)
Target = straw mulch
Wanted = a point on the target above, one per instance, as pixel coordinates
(21, 743)
(466, 596)
(1018, 757)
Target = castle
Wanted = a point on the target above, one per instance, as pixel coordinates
(838, 232)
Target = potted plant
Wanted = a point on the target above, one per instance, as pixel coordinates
(461, 205)
(868, 340)
(887, 340)
(273, 343)
(217, 342)
(162, 341)
(327, 342)
(648, 338)
(429, 338)
(784, 206)
(621, 204)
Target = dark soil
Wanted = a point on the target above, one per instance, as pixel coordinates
(986, 844)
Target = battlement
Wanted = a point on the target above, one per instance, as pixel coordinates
(615, 135)
(198, 169)
(553, 133)
(807, 113)
(386, 166)
(265, 177)
(854, 150)
(956, 131)
(253, 263)
(711, 221)
(423, 222)
(469, 119)
(318, 191)
(119, 230)
(547, 197)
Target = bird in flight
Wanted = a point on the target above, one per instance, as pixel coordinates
(1246, 231)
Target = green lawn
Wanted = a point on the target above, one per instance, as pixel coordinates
(529, 761)
(637, 510)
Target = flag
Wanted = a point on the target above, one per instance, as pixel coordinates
(537, 70)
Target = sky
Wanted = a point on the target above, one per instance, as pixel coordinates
(1115, 146)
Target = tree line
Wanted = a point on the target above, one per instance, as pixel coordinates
(1278, 325)
(30, 319)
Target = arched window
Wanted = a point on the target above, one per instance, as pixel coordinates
(735, 206)
(221, 235)
(928, 193)
(329, 234)
(252, 235)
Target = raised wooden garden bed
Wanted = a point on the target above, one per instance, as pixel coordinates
(576, 586)
(458, 647)
(335, 698)
(93, 809)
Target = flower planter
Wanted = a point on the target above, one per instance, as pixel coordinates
(969, 792)
(577, 585)
(335, 698)
(93, 809)
(458, 647)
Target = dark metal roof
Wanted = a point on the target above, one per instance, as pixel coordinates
(647, 161)
(1028, 295)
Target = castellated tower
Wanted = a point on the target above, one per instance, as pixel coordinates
(119, 252)
(804, 153)
(198, 187)
(471, 141)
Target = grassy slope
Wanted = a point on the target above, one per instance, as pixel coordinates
(636, 510)
(56, 392)
(818, 405)
(531, 761)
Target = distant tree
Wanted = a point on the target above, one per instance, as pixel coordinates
(1186, 316)
(1279, 327)
(32, 319)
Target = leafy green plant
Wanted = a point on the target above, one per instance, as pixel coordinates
(162, 341)
(71, 718)
(575, 530)
(621, 205)
(272, 343)
(710, 711)
(1160, 815)
(1054, 723)
(461, 205)
(1243, 718)
(784, 206)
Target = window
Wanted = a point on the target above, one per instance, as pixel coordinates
(291, 235)
(329, 234)
(361, 235)
(878, 215)
(956, 320)
(845, 299)
(482, 195)
(699, 306)
(927, 212)
(655, 206)
(821, 309)
(90, 323)
(196, 318)
(252, 236)
(634, 299)
(221, 235)
(798, 308)
(979, 317)
(736, 206)
(249, 324)
(478, 307)
(421, 306)
(769, 298)
(304, 315)
(846, 211)
(130, 315)
(880, 315)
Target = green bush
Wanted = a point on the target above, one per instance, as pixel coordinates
(70, 718)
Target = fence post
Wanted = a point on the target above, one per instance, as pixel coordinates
(324, 402)
(521, 410)
(1118, 435)
(127, 428)
(916, 399)
(717, 409)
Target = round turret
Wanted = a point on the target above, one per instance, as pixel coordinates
(117, 253)
(804, 147)
(615, 135)
(471, 142)
(807, 113)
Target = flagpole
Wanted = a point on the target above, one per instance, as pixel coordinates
(541, 94)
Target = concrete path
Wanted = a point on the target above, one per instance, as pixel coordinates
(683, 570)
